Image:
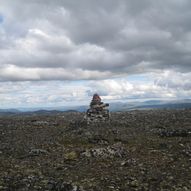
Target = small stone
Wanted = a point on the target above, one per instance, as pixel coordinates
(71, 156)
(38, 151)
(111, 187)
(123, 163)
(134, 183)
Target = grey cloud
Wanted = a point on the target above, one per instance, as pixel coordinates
(105, 37)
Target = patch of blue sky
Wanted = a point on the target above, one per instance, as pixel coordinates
(1, 18)
(139, 78)
(134, 78)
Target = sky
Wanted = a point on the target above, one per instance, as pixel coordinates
(61, 52)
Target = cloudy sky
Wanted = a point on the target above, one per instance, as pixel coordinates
(59, 52)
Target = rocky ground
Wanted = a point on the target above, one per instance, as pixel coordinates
(136, 150)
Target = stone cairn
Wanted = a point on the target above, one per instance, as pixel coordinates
(98, 112)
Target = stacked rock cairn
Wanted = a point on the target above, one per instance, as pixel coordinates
(98, 111)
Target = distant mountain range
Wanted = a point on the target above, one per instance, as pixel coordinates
(151, 104)
(9, 110)
(114, 106)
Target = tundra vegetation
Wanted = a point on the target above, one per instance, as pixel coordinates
(135, 150)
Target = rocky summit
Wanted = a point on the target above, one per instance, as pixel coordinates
(146, 150)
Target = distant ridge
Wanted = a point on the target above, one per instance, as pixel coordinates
(70, 111)
(152, 104)
(115, 106)
(10, 110)
(166, 106)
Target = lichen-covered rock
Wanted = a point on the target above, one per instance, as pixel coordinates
(106, 152)
(71, 155)
(62, 186)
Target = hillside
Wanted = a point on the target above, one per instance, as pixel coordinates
(136, 150)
